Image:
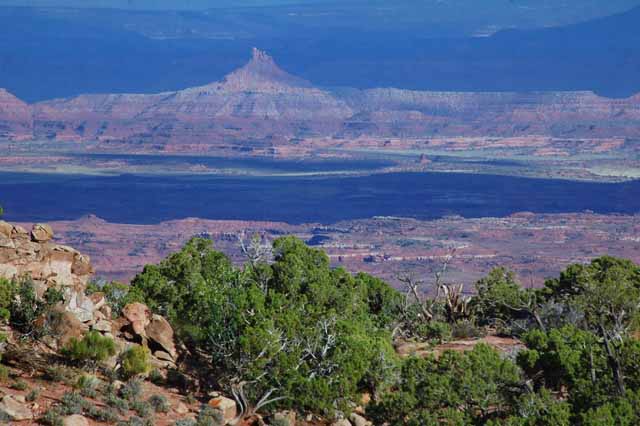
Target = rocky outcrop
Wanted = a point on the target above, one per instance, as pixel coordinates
(46, 262)
(35, 255)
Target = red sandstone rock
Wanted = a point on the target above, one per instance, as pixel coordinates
(139, 316)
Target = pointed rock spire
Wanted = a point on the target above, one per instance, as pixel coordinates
(261, 73)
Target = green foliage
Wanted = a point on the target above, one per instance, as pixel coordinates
(20, 385)
(4, 373)
(156, 377)
(20, 306)
(458, 388)
(135, 361)
(92, 348)
(435, 331)
(7, 295)
(502, 301)
(320, 334)
(577, 279)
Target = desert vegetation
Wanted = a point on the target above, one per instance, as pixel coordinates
(288, 332)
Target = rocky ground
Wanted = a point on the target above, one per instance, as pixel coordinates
(536, 246)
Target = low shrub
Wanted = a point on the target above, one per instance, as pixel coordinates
(131, 390)
(156, 377)
(210, 417)
(33, 395)
(135, 361)
(73, 403)
(112, 400)
(137, 421)
(435, 331)
(4, 373)
(19, 385)
(159, 403)
(52, 417)
(92, 348)
(142, 408)
(87, 386)
(107, 415)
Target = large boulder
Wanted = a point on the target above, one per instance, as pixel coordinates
(75, 420)
(41, 233)
(64, 326)
(19, 233)
(358, 420)
(16, 410)
(160, 332)
(226, 406)
(5, 229)
(139, 316)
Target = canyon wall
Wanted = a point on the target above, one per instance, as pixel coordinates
(262, 105)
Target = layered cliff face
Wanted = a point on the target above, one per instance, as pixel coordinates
(262, 105)
(560, 114)
(254, 101)
(16, 122)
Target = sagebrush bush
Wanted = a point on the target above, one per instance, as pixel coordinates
(142, 408)
(87, 385)
(112, 400)
(92, 348)
(159, 403)
(132, 390)
(73, 403)
(210, 417)
(52, 417)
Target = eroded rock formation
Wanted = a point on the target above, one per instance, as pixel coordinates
(35, 255)
(260, 105)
